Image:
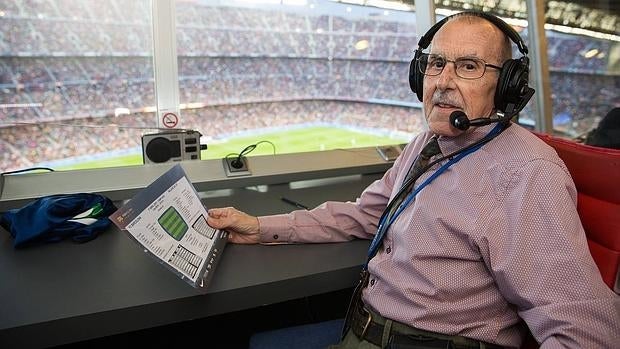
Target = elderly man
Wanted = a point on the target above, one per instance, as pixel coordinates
(485, 239)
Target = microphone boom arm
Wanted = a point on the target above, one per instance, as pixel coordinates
(459, 120)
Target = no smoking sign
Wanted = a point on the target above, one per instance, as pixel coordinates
(170, 120)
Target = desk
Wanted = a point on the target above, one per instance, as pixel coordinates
(64, 292)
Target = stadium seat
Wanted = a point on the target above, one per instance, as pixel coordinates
(596, 173)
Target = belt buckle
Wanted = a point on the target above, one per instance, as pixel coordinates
(366, 325)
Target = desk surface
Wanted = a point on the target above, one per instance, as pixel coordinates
(64, 292)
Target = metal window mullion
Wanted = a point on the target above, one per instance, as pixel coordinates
(425, 16)
(425, 19)
(165, 59)
(539, 67)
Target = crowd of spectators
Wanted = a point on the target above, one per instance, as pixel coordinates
(100, 89)
(24, 145)
(120, 28)
(98, 61)
(127, 83)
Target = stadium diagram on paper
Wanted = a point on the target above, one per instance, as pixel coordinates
(168, 220)
(173, 223)
(201, 226)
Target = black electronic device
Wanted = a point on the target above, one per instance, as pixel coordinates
(390, 152)
(512, 92)
(171, 146)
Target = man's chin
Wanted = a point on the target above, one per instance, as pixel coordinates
(444, 129)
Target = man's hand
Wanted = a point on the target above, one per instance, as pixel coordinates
(241, 227)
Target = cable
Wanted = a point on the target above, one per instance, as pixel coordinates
(27, 170)
(238, 162)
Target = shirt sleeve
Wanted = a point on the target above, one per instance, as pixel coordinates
(333, 221)
(539, 258)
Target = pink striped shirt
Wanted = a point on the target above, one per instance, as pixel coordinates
(494, 240)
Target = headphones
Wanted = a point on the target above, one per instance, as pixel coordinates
(512, 92)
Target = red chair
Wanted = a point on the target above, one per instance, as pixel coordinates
(596, 173)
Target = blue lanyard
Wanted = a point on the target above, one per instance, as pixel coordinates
(387, 220)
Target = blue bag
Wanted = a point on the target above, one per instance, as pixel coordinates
(52, 218)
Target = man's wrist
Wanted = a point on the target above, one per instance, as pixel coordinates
(273, 229)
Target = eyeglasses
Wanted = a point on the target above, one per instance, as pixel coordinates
(465, 67)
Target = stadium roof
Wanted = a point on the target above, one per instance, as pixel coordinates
(612, 6)
(598, 15)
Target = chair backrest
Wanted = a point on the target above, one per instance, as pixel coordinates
(596, 173)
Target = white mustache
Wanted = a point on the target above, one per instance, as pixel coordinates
(442, 98)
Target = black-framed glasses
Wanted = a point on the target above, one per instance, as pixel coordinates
(465, 67)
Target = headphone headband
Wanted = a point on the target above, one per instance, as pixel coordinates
(512, 34)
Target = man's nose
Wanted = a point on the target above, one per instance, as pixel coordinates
(445, 79)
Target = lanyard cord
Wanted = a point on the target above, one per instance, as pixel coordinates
(390, 215)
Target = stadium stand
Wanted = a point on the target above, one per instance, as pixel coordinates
(229, 58)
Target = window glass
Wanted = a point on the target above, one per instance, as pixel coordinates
(583, 48)
(76, 82)
(77, 89)
(302, 75)
(584, 63)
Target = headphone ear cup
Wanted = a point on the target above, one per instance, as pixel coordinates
(416, 78)
(511, 84)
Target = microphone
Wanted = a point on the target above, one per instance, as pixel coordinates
(459, 120)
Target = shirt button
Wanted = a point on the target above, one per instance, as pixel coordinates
(275, 237)
(388, 250)
(372, 282)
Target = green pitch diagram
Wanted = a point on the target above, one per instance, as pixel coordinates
(173, 223)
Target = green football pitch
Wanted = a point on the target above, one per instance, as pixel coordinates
(278, 142)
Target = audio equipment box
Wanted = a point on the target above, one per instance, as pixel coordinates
(171, 146)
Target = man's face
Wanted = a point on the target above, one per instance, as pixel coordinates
(446, 92)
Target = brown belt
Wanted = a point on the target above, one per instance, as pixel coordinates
(365, 328)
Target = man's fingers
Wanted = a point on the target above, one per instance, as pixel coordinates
(218, 212)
